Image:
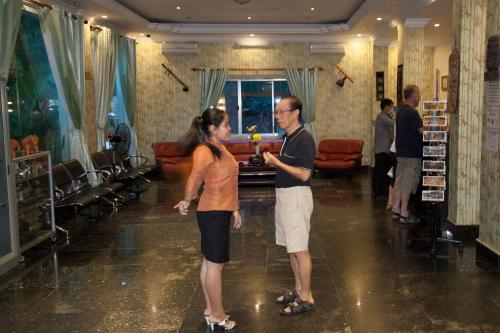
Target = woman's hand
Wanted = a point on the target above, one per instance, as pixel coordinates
(236, 220)
(271, 159)
(183, 206)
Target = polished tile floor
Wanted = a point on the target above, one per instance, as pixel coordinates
(137, 271)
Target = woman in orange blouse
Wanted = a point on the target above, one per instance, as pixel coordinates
(217, 169)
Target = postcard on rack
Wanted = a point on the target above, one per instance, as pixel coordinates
(435, 105)
(433, 196)
(435, 136)
(434, 181)
(435, 151)
(434, 121)
(434, 166)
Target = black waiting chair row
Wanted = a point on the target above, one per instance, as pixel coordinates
(119, 180)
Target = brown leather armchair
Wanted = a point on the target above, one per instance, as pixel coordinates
(339, 155)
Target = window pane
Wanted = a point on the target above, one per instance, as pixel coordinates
(256, 97)
(281, 89)
(31, 91)
(229, 102)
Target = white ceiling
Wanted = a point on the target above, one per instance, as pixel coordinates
(287, 20)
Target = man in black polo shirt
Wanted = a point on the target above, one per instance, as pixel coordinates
(409, 129)
(294, 202)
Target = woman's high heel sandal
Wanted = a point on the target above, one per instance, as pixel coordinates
(208, 321)
(226, 324)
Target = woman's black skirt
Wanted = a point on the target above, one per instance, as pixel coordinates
(214, 228)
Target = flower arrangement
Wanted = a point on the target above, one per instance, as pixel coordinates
(254, 137)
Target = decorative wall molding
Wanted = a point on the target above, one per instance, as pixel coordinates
(205, 28)
(274, 38)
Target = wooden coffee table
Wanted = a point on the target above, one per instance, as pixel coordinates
(256, 175)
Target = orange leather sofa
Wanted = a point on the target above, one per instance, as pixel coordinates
(339, 155)
(173, 161)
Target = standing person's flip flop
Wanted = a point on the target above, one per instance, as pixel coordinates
(296, 307)
(287, 298)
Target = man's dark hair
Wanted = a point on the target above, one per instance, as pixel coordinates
(295, 104)
(409, 91)
(386, 102)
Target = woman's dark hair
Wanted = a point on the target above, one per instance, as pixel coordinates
(199, 134)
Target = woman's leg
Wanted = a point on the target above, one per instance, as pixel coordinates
(213, 285)
(203, 279)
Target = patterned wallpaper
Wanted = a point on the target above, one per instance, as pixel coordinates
(489, 230)
(466, 123)
(413, 65)
(392, 74)
(164, 111)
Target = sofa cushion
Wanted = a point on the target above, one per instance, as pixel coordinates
(335, 164)
(353, 157)
(341, 146)
(323, 157)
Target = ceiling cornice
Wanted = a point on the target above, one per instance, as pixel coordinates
(193, 28)
(123, 11)
(271, 38)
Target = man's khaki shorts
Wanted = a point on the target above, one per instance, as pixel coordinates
(294, 207)
(408, 174)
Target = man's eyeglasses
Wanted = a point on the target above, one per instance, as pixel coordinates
(280, 112)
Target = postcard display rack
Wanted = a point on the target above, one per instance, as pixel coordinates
(34, 198)
(434, 168)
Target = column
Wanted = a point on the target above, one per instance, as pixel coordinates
(469, 26)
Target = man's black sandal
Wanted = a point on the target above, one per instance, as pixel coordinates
(297, 307)
(288, 297)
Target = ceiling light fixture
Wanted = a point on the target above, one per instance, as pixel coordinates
(142, 34)
(437, 25)
(379, 19)
(178, 8)
(252, 35)
(359, 35)
(10, 110)
(249, 17)
(312, 9)
(104, 16)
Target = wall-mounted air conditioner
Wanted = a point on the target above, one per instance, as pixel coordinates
(322, 48)
(179, 48)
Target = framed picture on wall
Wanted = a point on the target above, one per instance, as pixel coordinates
(444, 83)
(379, 85)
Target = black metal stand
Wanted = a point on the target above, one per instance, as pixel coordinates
(437, 236)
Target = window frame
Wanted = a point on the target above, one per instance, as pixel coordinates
(240, 102)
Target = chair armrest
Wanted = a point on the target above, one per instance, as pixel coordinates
(144, 158)
(58, 194)
(322, 157)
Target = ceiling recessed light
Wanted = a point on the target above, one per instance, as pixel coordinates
(312, 9)
(379, 19)
(104, 16)
(252, 35)
(249, 17)
(142, 34)
(9, 103)
(178, 8)
(437, 25)
(359, 35)
(10, 110)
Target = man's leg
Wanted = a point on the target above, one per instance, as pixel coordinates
(296, 274)
(405, 199)
(305, 270)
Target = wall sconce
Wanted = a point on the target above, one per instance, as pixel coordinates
(346, 76)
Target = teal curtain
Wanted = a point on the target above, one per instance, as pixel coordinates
(10, 14)
(302, 83)
(212, 83)
(126, 80)
(64, 42)
(104, 55)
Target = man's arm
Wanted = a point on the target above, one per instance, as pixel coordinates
(299, 173)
